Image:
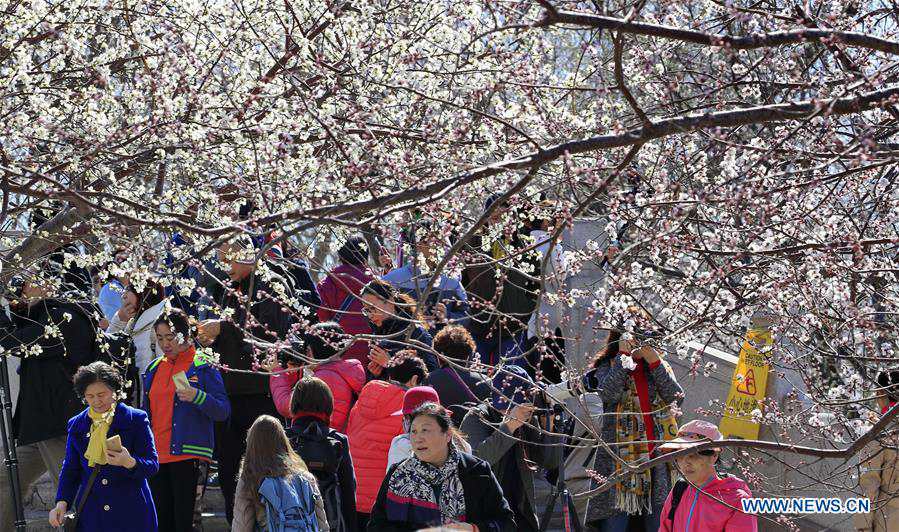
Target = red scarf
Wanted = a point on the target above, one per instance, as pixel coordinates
(321, 416)
(641, 382)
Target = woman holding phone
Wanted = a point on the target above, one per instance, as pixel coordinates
(109, 457)
(184, 396)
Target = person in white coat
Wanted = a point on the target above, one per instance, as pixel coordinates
(136, 316)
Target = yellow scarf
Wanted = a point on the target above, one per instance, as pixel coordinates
(96, 448)
(498, 250)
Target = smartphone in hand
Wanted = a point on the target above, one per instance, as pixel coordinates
(114, 443)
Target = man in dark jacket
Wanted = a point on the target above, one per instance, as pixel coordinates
(234, 340)
(502, 293)
(510, 442)
(459, 387)
(52, 338)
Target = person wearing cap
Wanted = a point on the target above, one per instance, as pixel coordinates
(256, 311)
(401, 446)
(375, 420)
(47, 398)
(339, 292)
(504, 434)
(439, 488)
(878, 476)
(703, 500)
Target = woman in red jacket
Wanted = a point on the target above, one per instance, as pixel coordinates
(345, 378)
(375, 420)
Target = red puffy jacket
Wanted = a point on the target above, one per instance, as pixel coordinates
(374, 421)
(345, 378)
(344, 282)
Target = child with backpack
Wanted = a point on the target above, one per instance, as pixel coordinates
(325, 451)
(275, 491)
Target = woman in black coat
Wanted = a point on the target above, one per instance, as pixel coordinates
(439, 485)
(393, 316)
(325, 451)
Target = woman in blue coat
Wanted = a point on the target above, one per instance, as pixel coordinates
(119, 498)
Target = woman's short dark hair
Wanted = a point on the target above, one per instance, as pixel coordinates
(326, 339)
(97, 372)
(456, 343)
(354, 251)
(176, 320)
(380, 288)
(405, 364)
(311, 394)
(440, 414)
(152, 295)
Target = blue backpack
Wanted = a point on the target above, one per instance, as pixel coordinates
(289, 504)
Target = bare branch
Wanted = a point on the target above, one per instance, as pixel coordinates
(749, 42)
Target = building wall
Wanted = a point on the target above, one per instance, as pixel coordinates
(582, 341)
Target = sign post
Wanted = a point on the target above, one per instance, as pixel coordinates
(747, 388)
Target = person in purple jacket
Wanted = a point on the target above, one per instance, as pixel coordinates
(339, 293)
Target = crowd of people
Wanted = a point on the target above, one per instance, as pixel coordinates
(377, 414)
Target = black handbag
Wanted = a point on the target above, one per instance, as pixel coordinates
(71, 522)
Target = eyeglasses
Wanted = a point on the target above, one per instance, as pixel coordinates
(706, 452)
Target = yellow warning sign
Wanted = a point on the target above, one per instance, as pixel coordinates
(747, 389)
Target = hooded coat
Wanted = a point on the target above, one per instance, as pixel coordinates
(700, 510)
(374, 421)
(345, 378)
(66, 338)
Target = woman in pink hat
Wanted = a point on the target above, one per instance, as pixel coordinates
(704, 501)
(401, 446)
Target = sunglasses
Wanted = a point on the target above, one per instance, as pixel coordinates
(706, 452)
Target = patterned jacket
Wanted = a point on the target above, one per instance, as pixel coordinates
(611, 382)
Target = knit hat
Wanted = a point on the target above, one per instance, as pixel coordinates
(511, 384)
(416, 397)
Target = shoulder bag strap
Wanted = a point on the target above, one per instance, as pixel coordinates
(344, 307)
(87, 490)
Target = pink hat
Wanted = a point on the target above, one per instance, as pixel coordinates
(692, 434)
(416, 397)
